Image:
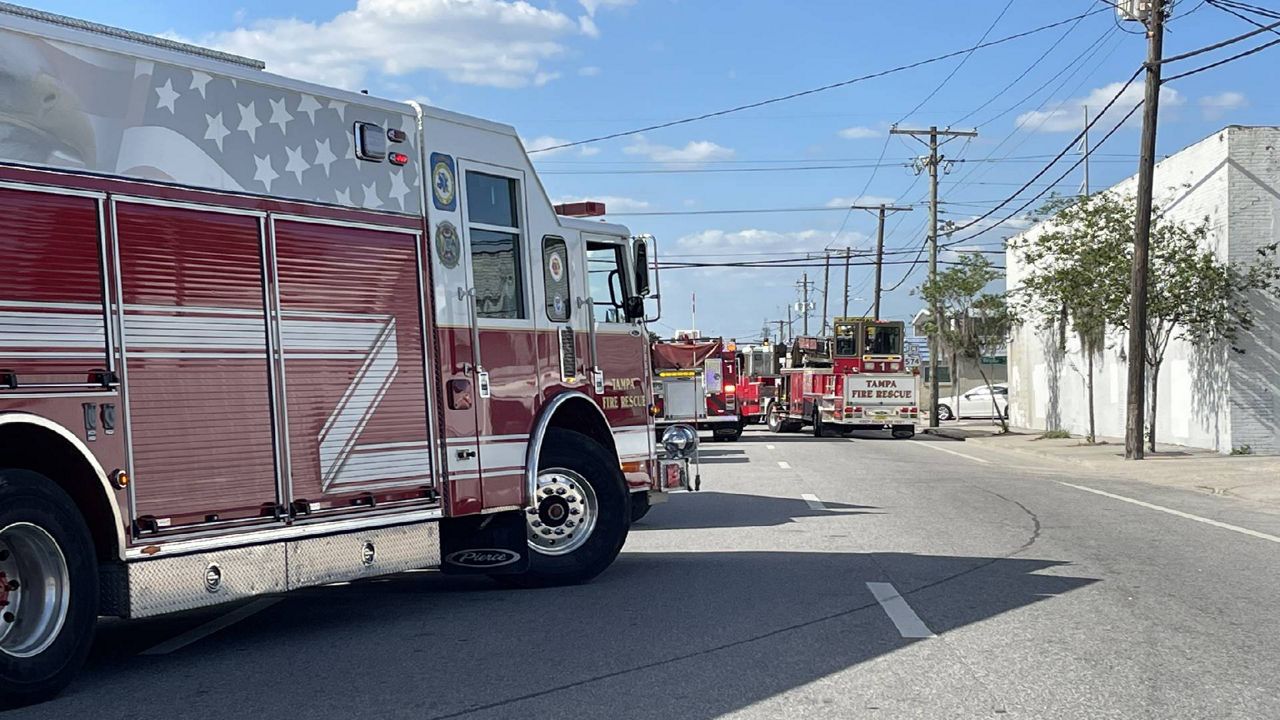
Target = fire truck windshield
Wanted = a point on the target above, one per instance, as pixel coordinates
(883, 340)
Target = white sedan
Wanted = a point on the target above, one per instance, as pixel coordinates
(977, 403)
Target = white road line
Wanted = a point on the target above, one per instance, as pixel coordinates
(784, 464)
(768, 447)
(934, 446)
(209, 628)
(1178, 513)
(904, 618)
(814, 502)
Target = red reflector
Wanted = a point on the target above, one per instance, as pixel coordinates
(398, 158)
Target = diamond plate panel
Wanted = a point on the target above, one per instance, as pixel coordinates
(167, 585)
(352, 556)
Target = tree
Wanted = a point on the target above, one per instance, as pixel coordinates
(972, 323)
(1076, 274)
(1197, 298)
(1081, 264)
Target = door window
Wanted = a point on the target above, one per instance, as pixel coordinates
(494, 232)
(605, 270)
(555, 278)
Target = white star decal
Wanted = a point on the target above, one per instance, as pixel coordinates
(296, 165)
(309, 106)
(398, 188)
(199, 80)
(249, 121)
(265, 174)
(344, 196)
(371, 199)
(341, 107)
(216, 131)
(167, 96)
(279, 114)
(324, 156)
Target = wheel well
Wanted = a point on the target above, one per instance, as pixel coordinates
(30, 447)
(581, 416)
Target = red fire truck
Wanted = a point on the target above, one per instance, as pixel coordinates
(697, 385)
(758, 381)
(855, 380)
(258, 335)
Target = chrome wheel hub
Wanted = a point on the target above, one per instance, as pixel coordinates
(35, 590)
(563, 514)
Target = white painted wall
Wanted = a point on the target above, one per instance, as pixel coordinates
(1216, 400)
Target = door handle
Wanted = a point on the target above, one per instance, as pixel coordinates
(466, 454)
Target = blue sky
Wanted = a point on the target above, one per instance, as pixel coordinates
(571, 69)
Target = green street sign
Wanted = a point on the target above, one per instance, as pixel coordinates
(995, 360)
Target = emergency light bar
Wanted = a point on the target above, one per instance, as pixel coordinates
(586, 208)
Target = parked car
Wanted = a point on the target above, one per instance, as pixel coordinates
(976, 403)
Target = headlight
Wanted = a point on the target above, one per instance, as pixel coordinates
(679, 441)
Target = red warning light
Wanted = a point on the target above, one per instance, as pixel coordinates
(398, 158)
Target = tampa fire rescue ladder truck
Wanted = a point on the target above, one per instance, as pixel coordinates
(697, 385)
(855, 380)
(258, 334)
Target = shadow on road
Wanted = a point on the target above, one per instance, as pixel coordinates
(709, 509)
(660, 635)
(714, 456)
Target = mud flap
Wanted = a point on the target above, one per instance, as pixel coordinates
(488, 545)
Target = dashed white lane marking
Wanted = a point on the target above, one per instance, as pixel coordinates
(1178, 513)
(813, 501)
(934, 446)
(904, 618)
(784, 464)
(196, 634)
(768, 447)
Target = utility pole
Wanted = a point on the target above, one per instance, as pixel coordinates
(880, 213)
(932, 161)
(782, 336)
(847, 252)
(1136, 408)
(826, 287)
(805, 307)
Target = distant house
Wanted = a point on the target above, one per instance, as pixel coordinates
(1220, 399)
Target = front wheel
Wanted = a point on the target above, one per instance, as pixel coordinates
(48, 588)
(774, 419)
(580, 514)
(640, 506)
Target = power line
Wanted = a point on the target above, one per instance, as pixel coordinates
(812, 91)
(1224, 61)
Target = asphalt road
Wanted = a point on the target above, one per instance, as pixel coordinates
(864, 577)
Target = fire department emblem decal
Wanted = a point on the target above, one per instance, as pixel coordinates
(555, 266)
(448, 246)
(444, 188)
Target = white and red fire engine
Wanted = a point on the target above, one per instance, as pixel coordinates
(758, 380)
(258, 334)
(697, 385)
(855, 380)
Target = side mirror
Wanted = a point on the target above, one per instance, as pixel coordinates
(633, 306)
(642, 267)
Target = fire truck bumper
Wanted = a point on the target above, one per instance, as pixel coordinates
(714, 422)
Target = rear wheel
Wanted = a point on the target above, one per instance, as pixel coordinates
(774, 420)
(730, 435)
(904, 432)
(48, 588)
(944, 412)
(580, 514)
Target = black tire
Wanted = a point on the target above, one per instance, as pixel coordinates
(731, 436)
(790, 426)
(31, 498)
(904, 432)
(598, 468)
(639, 506)
(774, 419)
(944, 412)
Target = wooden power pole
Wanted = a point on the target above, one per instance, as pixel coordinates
(932, 162)
(1135, 402)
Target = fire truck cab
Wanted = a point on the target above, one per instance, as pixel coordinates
(258, 334)
(854, 380)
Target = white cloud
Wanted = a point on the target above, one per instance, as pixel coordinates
(588, 26)
(859, 132)
(863, 200)
(1067, 116)
(501, 43)
(592, 6)
(589, 71)
(612, 203)
(695, 151)
(588, 150)
(542, 142)
(1213, 107)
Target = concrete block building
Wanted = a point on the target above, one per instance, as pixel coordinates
(1215, 399)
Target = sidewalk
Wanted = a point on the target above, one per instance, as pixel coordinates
(1249, 477)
